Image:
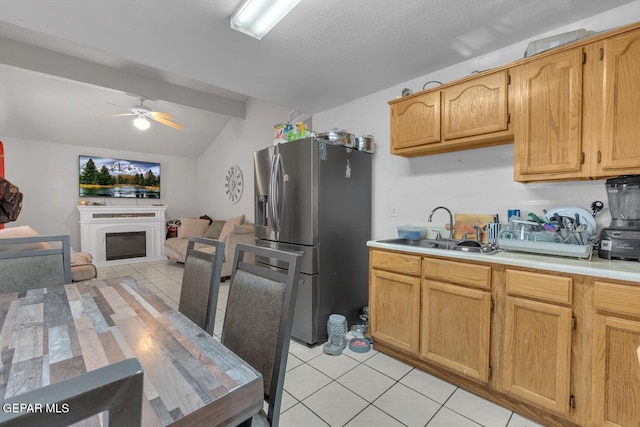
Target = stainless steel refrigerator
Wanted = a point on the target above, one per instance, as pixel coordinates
(315, 197)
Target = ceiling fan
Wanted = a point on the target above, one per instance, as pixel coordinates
(143, 113)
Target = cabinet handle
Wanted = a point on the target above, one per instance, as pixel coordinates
(601, 53)
(599, 156)
(572, 402)
(582, 158)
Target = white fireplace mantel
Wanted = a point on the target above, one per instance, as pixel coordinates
(97, 221)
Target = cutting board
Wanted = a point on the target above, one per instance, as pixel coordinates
(463, 223)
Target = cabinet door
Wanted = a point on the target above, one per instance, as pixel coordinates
(415, 121)
(548, 135)
(621, 128)
(616, 364)
(616, 372)
(476, 107)
(537, 353)
(394, 309)
(456, 328)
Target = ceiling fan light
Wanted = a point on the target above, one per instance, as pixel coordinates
(257, 17)
(141, 123)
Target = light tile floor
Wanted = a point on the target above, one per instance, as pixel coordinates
(353, 389)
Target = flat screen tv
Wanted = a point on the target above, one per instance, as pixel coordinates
(105, 177)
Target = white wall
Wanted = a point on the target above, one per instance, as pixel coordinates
(235, 146)
(47, 174)
(473, 181)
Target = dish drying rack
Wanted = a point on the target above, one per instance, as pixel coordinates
(543, 238)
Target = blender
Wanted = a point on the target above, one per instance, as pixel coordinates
(621, 240)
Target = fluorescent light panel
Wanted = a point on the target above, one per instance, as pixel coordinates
(257, 17)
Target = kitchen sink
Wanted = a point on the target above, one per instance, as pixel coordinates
(446, 244)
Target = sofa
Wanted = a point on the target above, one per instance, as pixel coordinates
(231, 231)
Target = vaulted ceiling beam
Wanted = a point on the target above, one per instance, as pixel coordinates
(41, 60)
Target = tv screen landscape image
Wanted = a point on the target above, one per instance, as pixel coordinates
(105, 177)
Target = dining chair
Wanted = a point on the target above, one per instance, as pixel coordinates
(258, 317)
(201, 282)
(34, 261)
(115, 388)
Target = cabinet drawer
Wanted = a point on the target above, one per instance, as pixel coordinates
(622, 299)
(391, 261)
(540, 286)
(478, 276)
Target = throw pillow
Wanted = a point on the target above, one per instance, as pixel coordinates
(207, 218)
(228, 226)
(214, 230)
(192, 227)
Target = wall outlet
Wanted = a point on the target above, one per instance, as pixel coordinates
(394, 212)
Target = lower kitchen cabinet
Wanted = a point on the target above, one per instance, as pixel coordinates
(559, 348)
(616, 364)
(456, 316)
(394, 300)
(537, 339)
(456, 328)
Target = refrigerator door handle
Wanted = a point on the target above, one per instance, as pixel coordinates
(278, 189)
(272, 194)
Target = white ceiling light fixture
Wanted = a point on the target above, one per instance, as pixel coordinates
(141, 123)
(257, 17)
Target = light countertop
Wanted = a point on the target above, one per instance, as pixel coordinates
(609, 269)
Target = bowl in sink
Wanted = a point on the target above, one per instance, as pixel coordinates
(411, 232)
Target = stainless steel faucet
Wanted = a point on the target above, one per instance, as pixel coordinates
(478, 233)
(450, 219)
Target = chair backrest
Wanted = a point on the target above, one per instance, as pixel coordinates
(201, 282)
(34, 262)
(258, 317)
(115, 388)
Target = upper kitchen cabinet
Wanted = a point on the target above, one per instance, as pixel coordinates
(471, 113)
(476, 107)
(575, 111)
(620, 151)
(548, 136)
(415, 122)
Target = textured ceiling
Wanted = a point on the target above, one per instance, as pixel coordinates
(184, 55)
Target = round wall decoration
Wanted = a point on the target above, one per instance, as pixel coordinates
(234, 184)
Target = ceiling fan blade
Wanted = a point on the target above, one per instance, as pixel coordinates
(168, 123)
(115, 115)
(165, 118)
(158, 115)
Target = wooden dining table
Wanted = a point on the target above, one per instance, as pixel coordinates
(51, 334)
